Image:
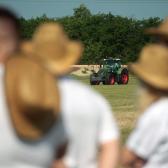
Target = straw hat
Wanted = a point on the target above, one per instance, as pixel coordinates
(32, 96)
(152, 66)
(161, 30)
(51, 46)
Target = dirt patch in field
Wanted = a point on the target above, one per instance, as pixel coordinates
(84, 70)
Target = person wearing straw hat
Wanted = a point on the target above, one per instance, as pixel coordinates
(147, 146)
(31, 129)
(160, 33)
(87, 116)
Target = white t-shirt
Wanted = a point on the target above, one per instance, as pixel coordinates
(16, 153)
(89, 122)
(149, 140)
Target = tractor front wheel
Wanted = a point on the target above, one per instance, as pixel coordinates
(112, 80)
(94, 82)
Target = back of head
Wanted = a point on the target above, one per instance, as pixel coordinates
(7, 14)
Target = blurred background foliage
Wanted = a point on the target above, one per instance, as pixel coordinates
(103, 35)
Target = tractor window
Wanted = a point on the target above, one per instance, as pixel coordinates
(109, 62)
(118, 62)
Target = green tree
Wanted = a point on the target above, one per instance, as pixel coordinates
(82, 11)
(103, 35)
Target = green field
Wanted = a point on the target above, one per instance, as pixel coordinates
(122, 99)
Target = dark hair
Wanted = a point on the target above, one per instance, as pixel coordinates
(12, 17)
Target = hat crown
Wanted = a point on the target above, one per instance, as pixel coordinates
(160, 31)
(152, 66)
(49, 32)
(154, 60)
(164, 25)
(50, 40)
(53, 49)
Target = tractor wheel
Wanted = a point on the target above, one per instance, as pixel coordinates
(97, 82)
(94, 82)
(124, 77)
(112, 79)
(91, 81)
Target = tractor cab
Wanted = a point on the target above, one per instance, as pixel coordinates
(111, 64)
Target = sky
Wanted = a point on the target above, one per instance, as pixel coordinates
(57, 8)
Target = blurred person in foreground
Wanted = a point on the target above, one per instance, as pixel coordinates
(9, 34)
(160, 33)
(91, 129)
(31, 128)
(147, 145)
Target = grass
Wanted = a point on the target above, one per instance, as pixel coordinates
(122, 99)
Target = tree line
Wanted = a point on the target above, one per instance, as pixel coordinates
(103, 35)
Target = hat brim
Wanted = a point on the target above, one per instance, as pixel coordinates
(60, 66)
(156, 32)
(149, 78)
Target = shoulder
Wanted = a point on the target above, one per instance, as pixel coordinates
(157, 112)
(67, 82)
(75, 87)
(153, 121)
(78, 95)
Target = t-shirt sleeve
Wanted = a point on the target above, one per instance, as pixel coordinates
(147, 136)
(108, 129)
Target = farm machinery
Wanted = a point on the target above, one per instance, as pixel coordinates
(110, 72)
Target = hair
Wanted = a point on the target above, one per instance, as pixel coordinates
(158, 91)
(149, 95)
(12, 17)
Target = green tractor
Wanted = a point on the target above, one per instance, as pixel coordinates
(110, 72)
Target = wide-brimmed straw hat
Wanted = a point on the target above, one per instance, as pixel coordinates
(152, 66)
(161, 30)
(52, 47)
(32, 97)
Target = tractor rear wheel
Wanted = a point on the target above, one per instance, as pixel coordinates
(124, 77)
